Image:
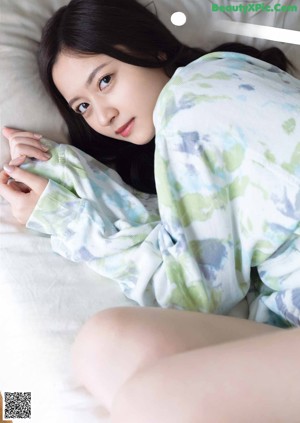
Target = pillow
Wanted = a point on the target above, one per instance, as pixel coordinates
(24, 103)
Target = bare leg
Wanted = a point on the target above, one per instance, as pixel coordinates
(250, 380)
(116, 343)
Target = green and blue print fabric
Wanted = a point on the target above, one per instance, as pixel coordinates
(227, 169)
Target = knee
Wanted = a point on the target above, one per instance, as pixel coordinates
(100, 355)
(97, 339)
(118, 332)
(112, 346)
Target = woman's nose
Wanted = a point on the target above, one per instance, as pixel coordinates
(105, 115)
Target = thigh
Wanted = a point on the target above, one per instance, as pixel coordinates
(254, 379)
(185, 330)
(117, 343)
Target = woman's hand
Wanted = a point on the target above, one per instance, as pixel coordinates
(24, 144)
(23, 192)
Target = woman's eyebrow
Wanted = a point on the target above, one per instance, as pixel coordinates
(89, 80)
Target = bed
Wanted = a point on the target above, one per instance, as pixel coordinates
(44, 299)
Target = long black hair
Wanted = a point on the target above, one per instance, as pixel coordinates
(98, 27)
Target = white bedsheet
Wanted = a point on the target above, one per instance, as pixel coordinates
(44, 300)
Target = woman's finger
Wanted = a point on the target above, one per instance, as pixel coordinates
(18, 161)
(29, 151)
(4, 177)
(17, 139)
(22, 203)
(10, 133)
(17, 143)
(11, 195)
(34, 182)
(25, 143)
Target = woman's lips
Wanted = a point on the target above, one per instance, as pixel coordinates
(126, 129)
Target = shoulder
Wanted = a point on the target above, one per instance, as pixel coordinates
(221, 61)
(191, 85)
(215, 77)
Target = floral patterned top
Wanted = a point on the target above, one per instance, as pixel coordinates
(227, 170)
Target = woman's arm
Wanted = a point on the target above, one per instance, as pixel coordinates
(90, 217)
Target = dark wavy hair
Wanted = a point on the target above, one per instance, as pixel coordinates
(98, 27)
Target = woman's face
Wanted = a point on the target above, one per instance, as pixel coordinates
(116, 99)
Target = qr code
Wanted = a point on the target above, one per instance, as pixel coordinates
(17, 405)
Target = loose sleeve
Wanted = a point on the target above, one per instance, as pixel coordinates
(92, 217)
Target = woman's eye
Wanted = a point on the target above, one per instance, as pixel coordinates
(104, 82)
(82, 108)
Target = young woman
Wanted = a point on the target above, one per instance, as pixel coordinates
(226, 128)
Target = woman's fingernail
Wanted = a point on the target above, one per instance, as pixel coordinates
(38, 136)
(47, 156)
(8, 169)
(44, 148)
(17, 161)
